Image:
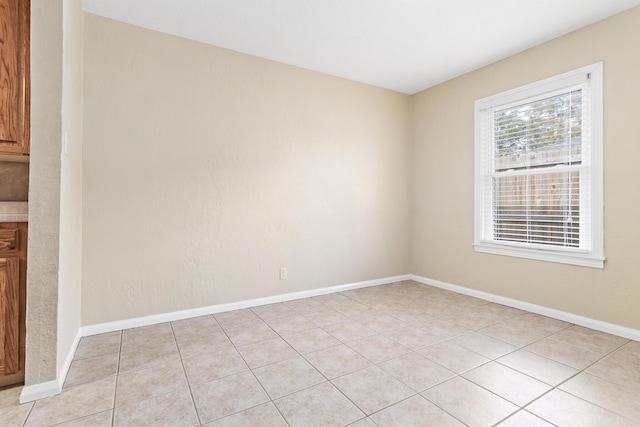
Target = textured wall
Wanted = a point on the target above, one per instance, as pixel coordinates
(442, 211)
(206, 170)
(44, 191)
(70, 274)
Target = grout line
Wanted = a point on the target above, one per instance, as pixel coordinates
(24, 423)
(584, 371)
(251, 369)
(186, 377)
(115, 389)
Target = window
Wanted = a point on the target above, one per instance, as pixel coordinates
(538, 171)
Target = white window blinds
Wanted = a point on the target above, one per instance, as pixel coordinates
(534, 167)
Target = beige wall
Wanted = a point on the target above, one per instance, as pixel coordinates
(55, 183)
(70, 270)
(44, 191)
(442, 209)
(206, 170)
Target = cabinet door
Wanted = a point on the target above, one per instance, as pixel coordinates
(9, 322)
(14, 76)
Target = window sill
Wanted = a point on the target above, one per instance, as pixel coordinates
(584, 260)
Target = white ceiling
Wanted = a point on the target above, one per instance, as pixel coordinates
(403, 45)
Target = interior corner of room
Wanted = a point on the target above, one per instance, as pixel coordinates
(162, 177)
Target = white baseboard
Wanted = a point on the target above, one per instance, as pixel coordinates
(219, 308)
(51, 388)
(62, 376)
(632, 334)
(39, 391)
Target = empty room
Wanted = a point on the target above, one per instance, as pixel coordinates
(319, 213)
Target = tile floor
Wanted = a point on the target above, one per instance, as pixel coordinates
(403, 354)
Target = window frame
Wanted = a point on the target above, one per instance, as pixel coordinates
(588, 257)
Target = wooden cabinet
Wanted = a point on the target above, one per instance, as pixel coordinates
(14, 142)
(13, 267)
(14, 76)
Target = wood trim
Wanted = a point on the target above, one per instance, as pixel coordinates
(9, 311)
(22, 257)
(25, 74)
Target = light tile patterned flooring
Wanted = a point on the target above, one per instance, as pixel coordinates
(403, 354)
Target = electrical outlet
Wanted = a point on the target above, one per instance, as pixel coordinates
(283, 273)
